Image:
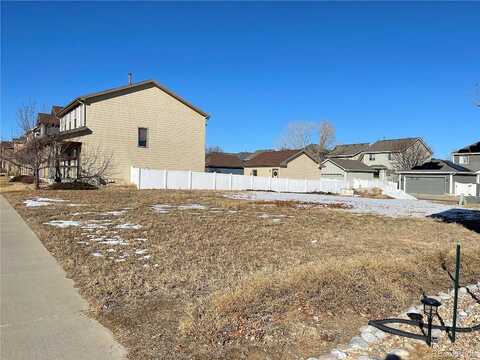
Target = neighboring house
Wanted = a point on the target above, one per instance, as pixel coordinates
(6, 151)
(142, 124)
(223, 163)
(382, 156)
(346, 169)
(385, 154)
(48, 124)
(349, 151)
(293, 164)
(439, 177)
(468, 156)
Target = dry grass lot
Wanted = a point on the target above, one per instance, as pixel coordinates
(239, 279)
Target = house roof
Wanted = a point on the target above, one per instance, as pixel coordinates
(348, 149)
(472, 148)
(223, 160)
(6, 144)
(438, 166)
(350, 165)
(122, 89)
(47, 119)
(393, 144)
(274, 158)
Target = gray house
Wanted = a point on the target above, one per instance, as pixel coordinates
(346, 169)
(440, 177)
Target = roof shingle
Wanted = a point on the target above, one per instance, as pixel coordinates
(223, 160)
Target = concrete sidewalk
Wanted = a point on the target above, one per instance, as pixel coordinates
(41, 312)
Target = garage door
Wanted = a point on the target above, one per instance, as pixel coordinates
(426, 185)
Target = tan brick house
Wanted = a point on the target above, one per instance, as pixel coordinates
(142, 124)
(292, 164)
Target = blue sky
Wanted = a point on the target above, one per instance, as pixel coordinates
(375, 70)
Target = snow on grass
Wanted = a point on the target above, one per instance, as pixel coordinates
(385, 207)
(162, 208)
(41, 201)
(129, 226)
(114, 213)
(97, 254)
(63, 223)
(141, 252)
(192, 207)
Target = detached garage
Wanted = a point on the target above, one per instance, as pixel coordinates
(439, 177)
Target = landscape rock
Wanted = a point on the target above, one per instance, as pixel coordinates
(339, 355)
(358, 343)
(368, 337)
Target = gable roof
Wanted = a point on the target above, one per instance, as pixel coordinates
(348, 149)
(275, 158)
(350, 165)
(223, 160)
(122, 89)
(438, 166)
(472, 148)
(392, 145)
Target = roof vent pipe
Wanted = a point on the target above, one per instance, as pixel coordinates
(129, 78)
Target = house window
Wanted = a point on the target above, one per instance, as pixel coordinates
(254, 172)
(371, 157)
(142, 137)
(464, 160)
(390, 156)
(75, 122)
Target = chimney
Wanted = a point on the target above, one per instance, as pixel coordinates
(129, 78)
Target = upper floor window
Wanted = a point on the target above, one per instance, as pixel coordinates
(142, 137)
(464, 160)
(371, 157)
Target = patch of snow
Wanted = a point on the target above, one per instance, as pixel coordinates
(113, 242)
(129, 226)
(385, 207)
(141, 252)
(146, 257)
(140, 239)
(49, 200)
(192, 207)
(114, 213)
(97, 254)
(162, 208)
(63, 223)
(276, 220)
(119, 260)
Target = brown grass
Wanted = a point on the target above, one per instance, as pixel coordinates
(235, 285)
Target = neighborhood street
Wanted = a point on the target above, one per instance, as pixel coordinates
(42, 314)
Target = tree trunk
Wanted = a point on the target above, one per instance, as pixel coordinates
(37, 179)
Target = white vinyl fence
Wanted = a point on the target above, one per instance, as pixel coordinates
(192, 180)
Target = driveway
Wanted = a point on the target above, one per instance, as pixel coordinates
(42, 314)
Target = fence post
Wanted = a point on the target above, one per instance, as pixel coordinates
(165, 177)
(139, 178)
(251, 182)
(190, 180)
(230, 181)
(214, 181)
(455, 296)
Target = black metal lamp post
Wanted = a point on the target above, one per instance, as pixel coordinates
(430, 307)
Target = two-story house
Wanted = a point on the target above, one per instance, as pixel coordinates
(461, 176)
(380, 159)
(142, 124)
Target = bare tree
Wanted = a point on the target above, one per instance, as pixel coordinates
(406, 157)
(297, 135)
(326, 139)
(34, 154)
(213, 149)
(96, 165)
